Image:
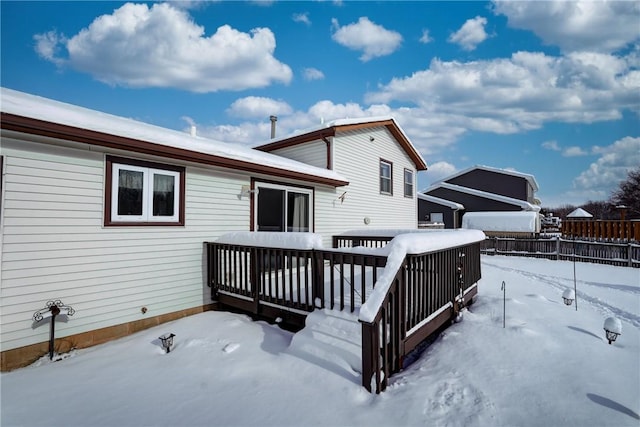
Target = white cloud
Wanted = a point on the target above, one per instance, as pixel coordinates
(604, 175)
(430, 133)
(438, 171)
(574, 151)
(301, 17)
(372, 39)
(312, 74)
(190, 4)
(471, 34)
(509, 95)
(603, 26)
(161, 46)
(551, 145)
(258, 107)
(425, 38)
(48, 46)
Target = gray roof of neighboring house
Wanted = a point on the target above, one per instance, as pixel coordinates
(510, 200)
(530, 178)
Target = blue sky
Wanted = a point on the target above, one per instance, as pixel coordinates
(546, 88)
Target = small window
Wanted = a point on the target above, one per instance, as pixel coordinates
(408, 183)
(386, 180)
(139, 192)
(437, 217)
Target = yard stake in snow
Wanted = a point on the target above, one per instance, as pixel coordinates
(504, 304)
(575, 290)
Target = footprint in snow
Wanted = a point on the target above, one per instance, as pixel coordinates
(231, 347)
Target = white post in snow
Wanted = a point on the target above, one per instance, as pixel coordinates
(575, 290)
(504, 304)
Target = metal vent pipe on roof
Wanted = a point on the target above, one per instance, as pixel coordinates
(273, 119)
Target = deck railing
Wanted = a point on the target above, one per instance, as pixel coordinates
(619, 254)
(290, 283)
(427, 292)
(349, 241)
(252, 278)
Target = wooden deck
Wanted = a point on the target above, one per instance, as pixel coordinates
(427, 291)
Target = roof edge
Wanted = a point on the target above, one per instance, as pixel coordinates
(28, 125)
(332, 129)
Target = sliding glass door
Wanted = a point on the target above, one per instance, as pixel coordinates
(283, 209)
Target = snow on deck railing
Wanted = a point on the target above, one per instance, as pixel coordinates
(412, 244)
(268, 239)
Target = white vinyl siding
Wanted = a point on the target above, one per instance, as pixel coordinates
(312, 153)
(54, 245)
(357, 158)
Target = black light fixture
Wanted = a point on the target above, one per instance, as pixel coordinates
(167, 341)
(568, 296)
(612, 328)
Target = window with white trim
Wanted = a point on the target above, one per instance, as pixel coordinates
(408, 183)
(140, 192)
(386, 177)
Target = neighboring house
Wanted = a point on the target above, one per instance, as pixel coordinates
(434, 210)
(579, 213)
(109, 215)
(478, 189)
(378, 160)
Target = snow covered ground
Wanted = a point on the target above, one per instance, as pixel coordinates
(550, 366)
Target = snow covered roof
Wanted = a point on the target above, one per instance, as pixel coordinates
(28, 113)
(530, 178)
(579, 213)
(440, 201)
(521, 221)
(330, 128)
(510, 200)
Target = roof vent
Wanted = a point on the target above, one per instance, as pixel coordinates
(273, 119)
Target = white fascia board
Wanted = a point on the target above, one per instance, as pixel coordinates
(440, 201)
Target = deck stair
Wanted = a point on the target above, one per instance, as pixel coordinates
(332, 340)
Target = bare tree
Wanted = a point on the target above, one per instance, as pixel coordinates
(628, 194)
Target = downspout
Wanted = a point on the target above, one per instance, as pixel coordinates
(329, 163)
(456, 222)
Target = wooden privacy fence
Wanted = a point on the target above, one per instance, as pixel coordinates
(620, 254)
(426, 292)
(602, 230)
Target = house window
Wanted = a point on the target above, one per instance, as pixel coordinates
(408, 183)
(437, 217)
(386, 177)
(143, 193)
